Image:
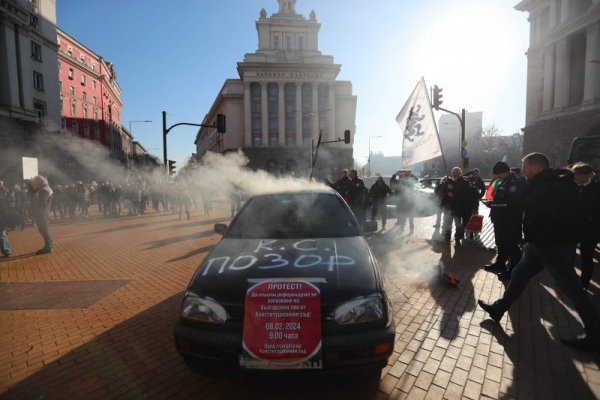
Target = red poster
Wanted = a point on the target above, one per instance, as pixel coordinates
(282, 325)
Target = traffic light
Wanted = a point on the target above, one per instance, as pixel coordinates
(437, 97)
(221, 126)
(347, 136)
(171, 167)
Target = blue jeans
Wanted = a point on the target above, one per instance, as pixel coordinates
(4, 242)
(558, 260)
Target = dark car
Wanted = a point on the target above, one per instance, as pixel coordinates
(291, 285)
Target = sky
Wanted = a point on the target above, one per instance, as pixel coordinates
(175, 56)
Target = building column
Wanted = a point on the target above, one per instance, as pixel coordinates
(247, 116)
(549, 79)
(331, 114)
(315, 111)
(562, 76)
(299, 114)
(281, 114)
(264, 115)
(564, 11)
(592, 64)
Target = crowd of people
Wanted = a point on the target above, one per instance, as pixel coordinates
(35, 202)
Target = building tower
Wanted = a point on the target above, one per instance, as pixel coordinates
(286, 95)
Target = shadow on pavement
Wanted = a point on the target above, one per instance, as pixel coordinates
(194, 224)
(193, 253)
(176, 239)
(137, 359)
(542, 367)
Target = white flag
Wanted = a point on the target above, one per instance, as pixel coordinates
(421, 141)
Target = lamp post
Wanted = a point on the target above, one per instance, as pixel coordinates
(130, 122)
(369, 160)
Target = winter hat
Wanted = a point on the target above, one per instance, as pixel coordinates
(500, 168)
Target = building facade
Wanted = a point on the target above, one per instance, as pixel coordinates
(29, 107)
(287, 96)
(90, 97)
(563, 75)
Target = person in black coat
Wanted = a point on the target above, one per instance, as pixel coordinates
(358, 197)
(550, 235)
(588, 218)
(507, 216)
(379, 192)
(459, 201)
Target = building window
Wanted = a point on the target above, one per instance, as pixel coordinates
(577, 68)
(34, 21)
(86, 129)
(273, 107)
(83, 79)
(94, 84)
(306, 113)
(70, 50)
(60, 87)
(72, 91)
(38, 80)
(96, 131)
(36, 51)
(276, 44)
(82, 58)
(301, 42)
(40, 109)
(96, 115)
(323, 104)
(71, 73)
(93, 65)
(85, 113)
(289, 104)
(84, 96)
(73, 110)
(288, 42)
(74, 126)
(255, 107)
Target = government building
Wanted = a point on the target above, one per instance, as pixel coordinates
(563, 75)
(286, 97)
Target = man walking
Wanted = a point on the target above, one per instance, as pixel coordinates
(550, 226)
(379, 193)
(41, 200)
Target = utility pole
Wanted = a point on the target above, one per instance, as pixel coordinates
(220, 126)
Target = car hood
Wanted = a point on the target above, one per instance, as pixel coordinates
(343, 267)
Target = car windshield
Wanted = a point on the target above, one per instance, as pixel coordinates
(294, 215)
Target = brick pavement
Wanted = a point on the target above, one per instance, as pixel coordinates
(121, 346)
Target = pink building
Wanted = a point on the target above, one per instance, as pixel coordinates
(90, 97)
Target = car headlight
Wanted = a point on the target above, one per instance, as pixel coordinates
(203, 309)
(363, 309)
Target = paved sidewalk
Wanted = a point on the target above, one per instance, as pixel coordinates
(94, 319)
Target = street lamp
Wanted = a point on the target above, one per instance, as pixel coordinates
(369, 160)
(130, 122)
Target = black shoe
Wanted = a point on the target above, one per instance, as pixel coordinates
(44, 250)
(504, 275)
(583, 344)
(494, 267)
(491, 310)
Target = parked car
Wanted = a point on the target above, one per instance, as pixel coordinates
(292, 285)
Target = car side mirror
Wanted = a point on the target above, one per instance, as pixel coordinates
(369, 226)
(221, 228)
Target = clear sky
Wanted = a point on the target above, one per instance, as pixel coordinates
(175, 56)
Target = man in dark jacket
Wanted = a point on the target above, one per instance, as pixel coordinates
(358, 197)
(588, 218)
(379, 192)
(507, 216)
(550, 226)
(457, 194)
